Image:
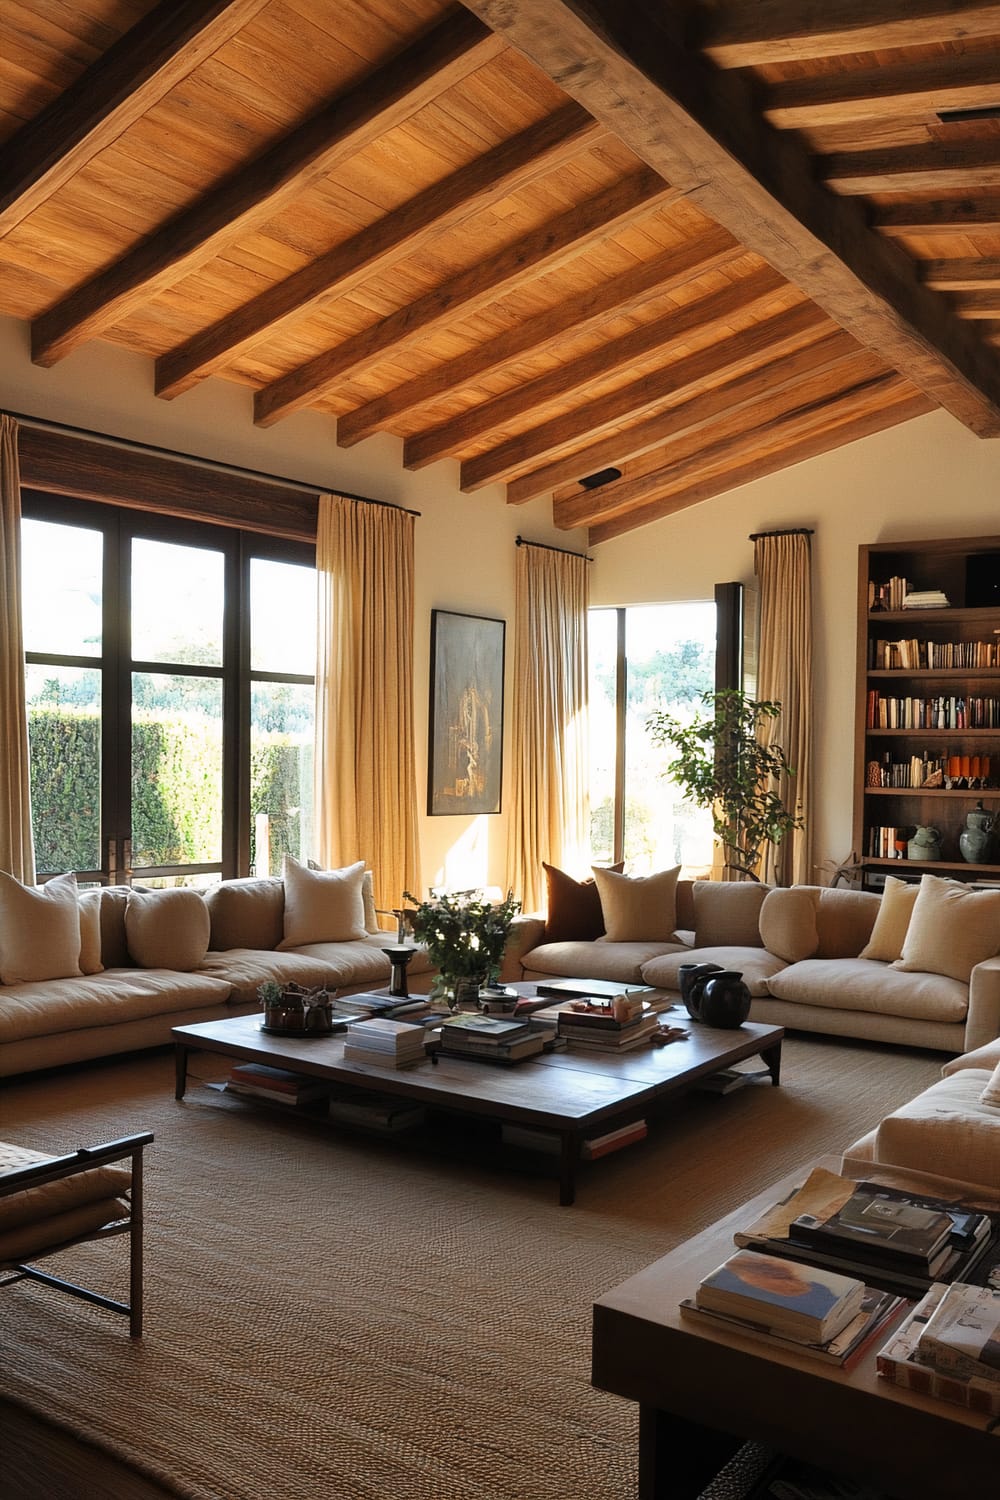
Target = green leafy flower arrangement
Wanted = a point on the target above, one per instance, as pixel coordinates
(464, 934)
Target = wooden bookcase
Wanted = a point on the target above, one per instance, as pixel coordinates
(916, 712)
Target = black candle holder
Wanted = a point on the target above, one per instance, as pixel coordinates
(399, 956)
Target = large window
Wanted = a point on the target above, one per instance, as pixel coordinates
(169, 671)
(642, 659)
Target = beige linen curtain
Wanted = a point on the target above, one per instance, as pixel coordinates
(550, 813)
(783, 563)
(17, 853)
(365, 773)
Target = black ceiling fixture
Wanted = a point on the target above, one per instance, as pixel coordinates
(603, 476)
(975, 112)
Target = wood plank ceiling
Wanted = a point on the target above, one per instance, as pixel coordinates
(692, 243)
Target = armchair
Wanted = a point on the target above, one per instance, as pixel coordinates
(48, 1203)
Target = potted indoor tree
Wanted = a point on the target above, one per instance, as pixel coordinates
(724, 762)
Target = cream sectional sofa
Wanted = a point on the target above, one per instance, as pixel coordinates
(951, 1129)
(813, 958)
(157, 959)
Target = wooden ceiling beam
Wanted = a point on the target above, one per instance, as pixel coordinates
(698, 128)
(544, 249)
(507, 168)
(128, 79)
(737, 35)
(742, 420)
(918, 91)
(726, 471)
(743, 351)
(696, 413)
(254, 193)
(617, 295)
(977, 306)
(961, 274)
(934, 168)
(699, 316)
(973, 211)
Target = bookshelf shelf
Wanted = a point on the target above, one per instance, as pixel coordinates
(907, 679)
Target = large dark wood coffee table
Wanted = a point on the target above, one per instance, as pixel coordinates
(568, 1093)
(702, 1391)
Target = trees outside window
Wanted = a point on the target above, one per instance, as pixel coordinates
(169, 672)
(646, 659)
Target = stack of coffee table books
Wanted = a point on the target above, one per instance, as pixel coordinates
(948, 1346)
(384, 1043)
(490, 1038)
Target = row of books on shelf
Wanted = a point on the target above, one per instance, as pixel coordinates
(373, 1111)
(591, 1148)
(932, 656)
(940, 711)
(923, 771)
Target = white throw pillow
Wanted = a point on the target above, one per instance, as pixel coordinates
(167, 929)
(322, 906)
(991, 1093)
(638, 909)
(39, 930)
(893, 920)
(952, 929)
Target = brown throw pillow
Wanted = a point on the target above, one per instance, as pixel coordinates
(573, 908)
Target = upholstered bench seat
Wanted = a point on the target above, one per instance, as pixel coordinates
(54, 1213)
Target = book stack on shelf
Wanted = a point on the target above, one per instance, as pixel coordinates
(949, 1347)
(607, 1026)
(490, 1038)
(278, 1085)
(591, 1148)
(805, 1305)
(897, 1240)
(384, 1043)
(380, 1112)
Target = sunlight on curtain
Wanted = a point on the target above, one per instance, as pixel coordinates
(366, 791)
(550, 813)
(17, 853)
(783, 563)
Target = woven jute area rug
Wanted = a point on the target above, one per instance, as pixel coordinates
(328, 1316)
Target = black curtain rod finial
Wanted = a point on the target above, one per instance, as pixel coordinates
(520, 541)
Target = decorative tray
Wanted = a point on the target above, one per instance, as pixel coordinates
(340, 1024)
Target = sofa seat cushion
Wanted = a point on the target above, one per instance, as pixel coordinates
(622, 962)
(865, 984)
(946, 1131)
(51, 1213)
(332, 964)
(755, 964)
(49, 1007)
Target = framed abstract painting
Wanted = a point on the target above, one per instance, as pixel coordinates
(465, 755)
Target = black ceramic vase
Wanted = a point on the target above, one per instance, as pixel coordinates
(692, 979)
(724, 1000)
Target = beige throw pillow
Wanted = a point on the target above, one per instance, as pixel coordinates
(638, 909)
(90, 932)
(39, 930)
(788, 922)
(167, 929)
(893, 920)
(322, 906)
(952, 929)
(991, 1093)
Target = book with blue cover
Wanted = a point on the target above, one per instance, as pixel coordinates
(808, 1302)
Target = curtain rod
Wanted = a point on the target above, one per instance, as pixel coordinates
(755, 536)
(520, 541)
(43, 424)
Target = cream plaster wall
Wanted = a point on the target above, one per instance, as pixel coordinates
(929, 478)
(464, 544)
(926, 479)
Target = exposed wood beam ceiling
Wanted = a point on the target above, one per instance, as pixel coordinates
(692, 242)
